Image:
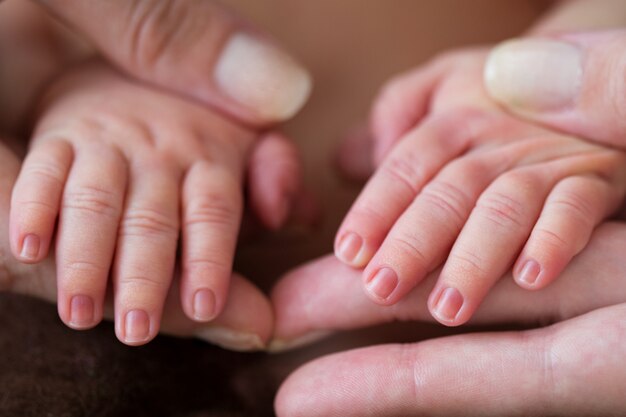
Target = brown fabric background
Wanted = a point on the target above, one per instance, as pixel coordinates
(48, 370)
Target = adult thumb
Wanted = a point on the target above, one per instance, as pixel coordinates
(574, 82)
(196, 48)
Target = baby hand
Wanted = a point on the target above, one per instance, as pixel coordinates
(466, 185)
(129, 171)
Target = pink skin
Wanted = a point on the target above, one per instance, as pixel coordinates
(173, 44)
(128, 171)
(274, 177)
(597, 111)
(573, 367)
(247, 311)
(463, 184)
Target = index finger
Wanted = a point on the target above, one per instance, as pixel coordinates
(535, 372)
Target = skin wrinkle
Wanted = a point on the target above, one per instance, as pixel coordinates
(548, 365)
(142, 49)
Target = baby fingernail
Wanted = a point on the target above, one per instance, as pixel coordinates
(534, 74)
(30, 247)
(530, 272)
(204, 305)
(81, 311)
(231, 339)
(136, 327)
(349, 247)
(449, 304)
(257, 74)
(383, 283)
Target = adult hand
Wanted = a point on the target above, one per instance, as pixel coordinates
(196, 48)
(573, 82)
(574, 367)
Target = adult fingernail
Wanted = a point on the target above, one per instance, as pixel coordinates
(534, 74)
(231, 339)
(30, 248)
(349, 247)
(282, 345)
(530, 272)
(448, 305)
(136, 327)
(383, 283)
(204, 305)
(81, 311)
(260, 76)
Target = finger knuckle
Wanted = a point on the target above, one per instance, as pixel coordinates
(223, 209)
(402, 170)
(462, 125)
(466, 262)
(408, 247)
(144, 282)
(148, 222)
(448, 199)
(208, 267)
(573, 205)
(549, 379)
(154, 27)
(35, 208)
(501, 210)
(79, 269)
(366, 215)
(48, 173)
(83, 127)
(92, 200)
(550, 238)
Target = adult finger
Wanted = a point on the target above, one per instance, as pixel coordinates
(196, 48)
(535, 372)
(245, 323)
(325, 295)
(572, 82)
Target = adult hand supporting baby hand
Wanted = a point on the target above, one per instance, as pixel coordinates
(574, 82)
(195, 48)
(573, 367)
